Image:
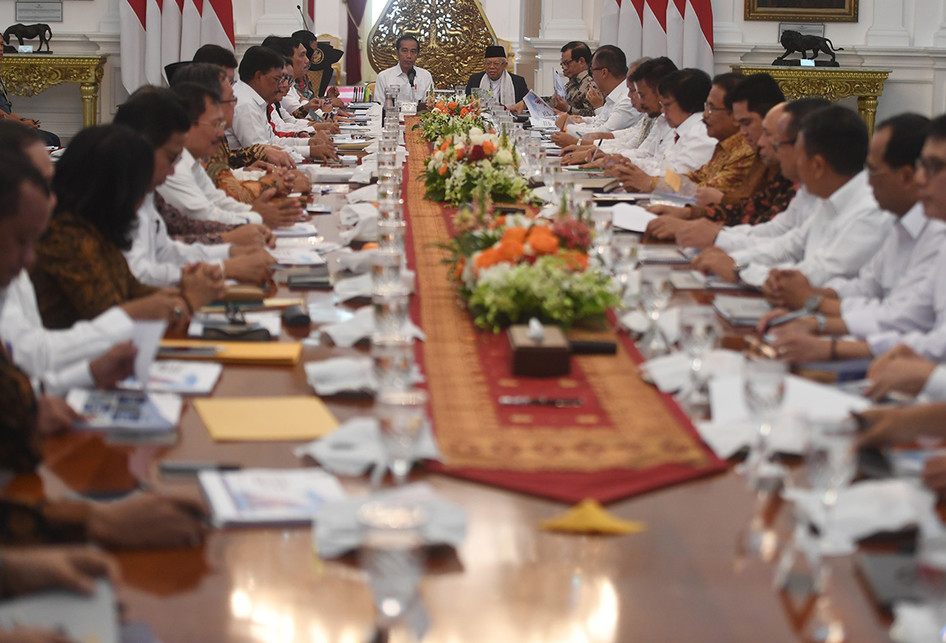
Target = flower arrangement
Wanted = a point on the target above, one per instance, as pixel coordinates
(457, 115)
(462, 162)
(512, 268)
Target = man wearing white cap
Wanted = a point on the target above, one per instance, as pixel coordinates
(507, 88)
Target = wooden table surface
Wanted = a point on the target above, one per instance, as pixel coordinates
(679, 580)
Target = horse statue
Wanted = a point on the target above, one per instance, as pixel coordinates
(28, 32)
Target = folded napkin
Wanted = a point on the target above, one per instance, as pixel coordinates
(637, 322)
(868, 507)
(726, 439)
(355, 447)
(367, 194)
(363, 286)
(589, 517)
(324, 313)
(914, 624)
(324, 174)
(301, 229)
(360, 326)
(372, 155)
(362, 218)
(336, 530)
(671, 373)
(243, 174)
(356, 262)
(347, 375)
(364, 173)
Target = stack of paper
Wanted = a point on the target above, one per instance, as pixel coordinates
(631, 217)
(741, 311)
(661, 254)
(259, 419)
(127, 415)
(183, 378)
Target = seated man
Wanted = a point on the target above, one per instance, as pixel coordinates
(297, 65)
(575, 63)
(846, 228)
(505, 87)
(261, 72)
(684, 144)
(413, 83)
(140, 520)
(609, 71)
(154, 258)
(189, 188)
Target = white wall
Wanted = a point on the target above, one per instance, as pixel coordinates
(906, 36)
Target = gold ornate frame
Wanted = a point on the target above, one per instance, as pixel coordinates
(788, 10)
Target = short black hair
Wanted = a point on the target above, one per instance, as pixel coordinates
(215, 55)
(799, 109)
(938, 128)
(306, 37)
(652, 71)
(759, 91)
(689, 87)
(194, 98)
(17, 136)
(17, 171)
(205, 74)
(155, 113)
(259, 59)
(403, 37)
(578, 50)
(612, 59)
(102, 177)
(907, 134)
(839, 136)
(728, 82)
(285, 47)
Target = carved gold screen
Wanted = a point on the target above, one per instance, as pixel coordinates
(452, 34)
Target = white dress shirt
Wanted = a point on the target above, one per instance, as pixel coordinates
(156, 259)
(251, 125)
(191, 191)
(880, 297)
(746, 235)
(284, 121)
(681, 149)
(56, 360)
(395, 77)
(629, 138)
(838, 238)
(617, 113)
(935, 388)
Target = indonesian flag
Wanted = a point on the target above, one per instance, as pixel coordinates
(310, 14)
(679, 29)
(155, 33)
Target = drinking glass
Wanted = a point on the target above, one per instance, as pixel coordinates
(581, 205)
(390, 209)
(391, 235)
(699, 334)
(392, 357)
(764, 388)
(601, 219)
(402, 416)
(551, 169)
(386, 272)
(392, 557)
(391, 313)
(624, 249)
(655, 293)
(830, 463)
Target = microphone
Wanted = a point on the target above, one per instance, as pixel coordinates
(411, 75)
(305, 25)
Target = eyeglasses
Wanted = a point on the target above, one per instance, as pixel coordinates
(777, 144)
(219, 125)
(566, 63)
(931, 165)
(709, 108)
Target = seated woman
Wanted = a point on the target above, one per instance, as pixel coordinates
(80, 271)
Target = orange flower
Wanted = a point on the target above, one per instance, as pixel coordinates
(439, 104)
(511, 250)
(575, 260)
(543, 243)
(489, 148)
(451, 105)
(442, 170)
(460, 152)
(487, 258)
(464, 111)
(458, 270)
(513, 233)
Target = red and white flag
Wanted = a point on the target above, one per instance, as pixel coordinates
(155, 33)
(679, 29)
(310, 15)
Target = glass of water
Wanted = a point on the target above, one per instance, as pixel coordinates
(831, 464)
(392, 357)
(655, 294)
(699, 334)
(764, 388)
(402, 415)
(386, 271)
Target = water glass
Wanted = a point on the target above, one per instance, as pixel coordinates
(624, 250)
(392, 556)
(391, 313)
(763, 388)
(601, 220)
(386, 272)
(391, 100)
(391, 235)
(402, 415)
(831, 464)
(392, 358)
(655, 293)
(390, 208)
(699, 334)
(389, 189)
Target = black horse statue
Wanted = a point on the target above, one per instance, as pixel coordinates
(21, 32)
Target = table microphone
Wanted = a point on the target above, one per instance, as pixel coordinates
(305, 24)
(411, 75)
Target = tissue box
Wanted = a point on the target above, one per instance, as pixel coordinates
(548, 358)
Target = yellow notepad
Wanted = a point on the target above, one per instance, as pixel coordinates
(259, 419)
(255, 353)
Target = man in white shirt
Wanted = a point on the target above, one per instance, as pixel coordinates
(261, 72)
(413, 83)
(683, 146)
(609, 71)
(847, 227)
(189, 188)
(154, 257)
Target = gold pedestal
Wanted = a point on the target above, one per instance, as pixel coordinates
(31, 74)
(833, 83)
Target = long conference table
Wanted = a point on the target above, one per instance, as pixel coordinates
(682, 579)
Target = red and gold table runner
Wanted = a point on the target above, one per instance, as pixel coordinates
(625, 438)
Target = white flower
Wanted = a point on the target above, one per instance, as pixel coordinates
(476, 131)
(504, 157)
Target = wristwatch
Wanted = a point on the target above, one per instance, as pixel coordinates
(822, 322)
(812, 303)
(738, 267)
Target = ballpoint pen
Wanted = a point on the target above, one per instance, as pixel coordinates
(526, 400)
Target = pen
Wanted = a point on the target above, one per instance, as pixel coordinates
(176, 467)
(787, 317)
(594, 152)
(193, 351)
(525, 400)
